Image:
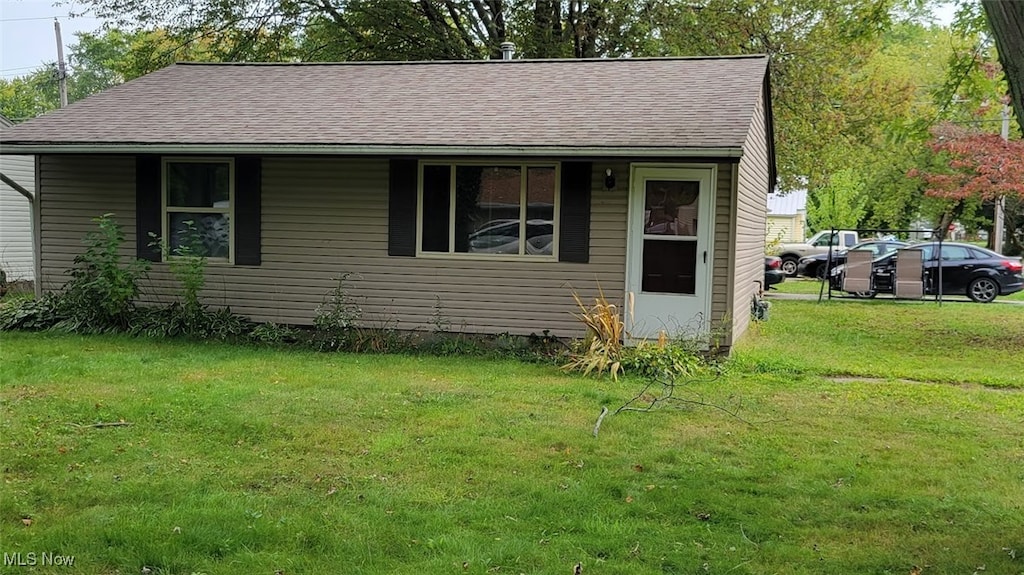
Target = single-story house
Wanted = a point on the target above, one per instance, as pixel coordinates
(480, 191)
(16, 253)
(787, 217)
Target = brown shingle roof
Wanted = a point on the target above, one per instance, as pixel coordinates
(630, 103)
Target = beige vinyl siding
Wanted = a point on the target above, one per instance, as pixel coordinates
(721, 308)
(323, 217)
(752, 188)
(72, 191)
(16, 256)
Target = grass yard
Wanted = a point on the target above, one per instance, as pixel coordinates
(811, 286)
(244, 460)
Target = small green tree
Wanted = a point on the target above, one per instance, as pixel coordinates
(100, 296)
(840, 203)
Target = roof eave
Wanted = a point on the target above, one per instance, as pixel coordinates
(367, 150)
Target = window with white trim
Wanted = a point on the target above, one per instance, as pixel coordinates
(489, 209)
(200, 191)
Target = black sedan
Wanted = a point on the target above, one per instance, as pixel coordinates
(976, 272)
(813, 266)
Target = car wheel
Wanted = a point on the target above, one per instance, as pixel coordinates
(789, 266)
(819, 272)
(864, 294)
(983, 290)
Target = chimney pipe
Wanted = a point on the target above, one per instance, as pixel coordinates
(507, 50)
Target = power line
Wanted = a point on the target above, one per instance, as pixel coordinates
(67, 16)
(6, 70)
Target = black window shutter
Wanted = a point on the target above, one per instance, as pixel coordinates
(402, 207)
(248, 194)
(147, 206)
(574, 232)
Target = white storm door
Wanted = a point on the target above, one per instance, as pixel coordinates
(668, 259)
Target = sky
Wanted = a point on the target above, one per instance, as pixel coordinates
(27, 39)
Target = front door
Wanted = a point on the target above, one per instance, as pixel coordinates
(668, 260)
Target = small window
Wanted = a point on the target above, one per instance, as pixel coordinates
(489, 210)
(198, 197)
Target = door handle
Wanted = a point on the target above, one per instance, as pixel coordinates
(705, 256)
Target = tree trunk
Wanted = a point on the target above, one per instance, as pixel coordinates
(946, 219)
(1006, 19)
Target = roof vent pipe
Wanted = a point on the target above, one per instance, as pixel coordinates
(507, 50)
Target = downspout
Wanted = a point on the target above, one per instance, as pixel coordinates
(34, 226)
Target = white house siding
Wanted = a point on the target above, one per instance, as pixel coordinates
(16, 256)
(322, 217)
(752, 187)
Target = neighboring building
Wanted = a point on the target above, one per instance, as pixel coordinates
(787, 217)
(16, 255)
(484, 191)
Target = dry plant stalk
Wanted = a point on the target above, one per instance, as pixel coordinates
(603, 344)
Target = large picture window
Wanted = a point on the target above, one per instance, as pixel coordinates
(198, 195)
(495, 210)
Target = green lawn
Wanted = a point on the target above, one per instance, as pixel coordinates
(245, 460)
(811, 286)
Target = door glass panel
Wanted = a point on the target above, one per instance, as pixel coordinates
(669, 267)
(670, 208)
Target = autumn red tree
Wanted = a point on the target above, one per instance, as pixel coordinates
(974, 165)
(980, 164)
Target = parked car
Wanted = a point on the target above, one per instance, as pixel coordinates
(813, 266)
(502, 237)
(976, 272)
(773, 273)
(817, 244)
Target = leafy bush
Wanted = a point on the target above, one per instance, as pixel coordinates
(664, 360)
(600, 351)
(100, 296)
(187, 262)
(336, 317)
(30, 314)
(271, 333)
(176, 320)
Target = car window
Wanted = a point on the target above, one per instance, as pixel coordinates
(824, 241)
(980, 254)
(955, 253)
(926, 252)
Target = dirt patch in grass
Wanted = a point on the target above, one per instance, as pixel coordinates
(856, 379)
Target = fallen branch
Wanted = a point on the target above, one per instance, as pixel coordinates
(597, 426)
(102, 424)
(668, 396)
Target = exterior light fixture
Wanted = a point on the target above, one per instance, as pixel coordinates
(609, 179)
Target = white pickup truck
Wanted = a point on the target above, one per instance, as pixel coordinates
(818, 244)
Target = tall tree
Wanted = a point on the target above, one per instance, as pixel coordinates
(1006, 19)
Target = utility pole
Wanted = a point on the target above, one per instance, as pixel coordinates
(62, 74)
(998, 221)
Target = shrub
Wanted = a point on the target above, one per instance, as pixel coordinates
(100, 296)
(175, 320)
(30, 314)
(271, 333)
(336, 317)
(664, 360)
(600, 351)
